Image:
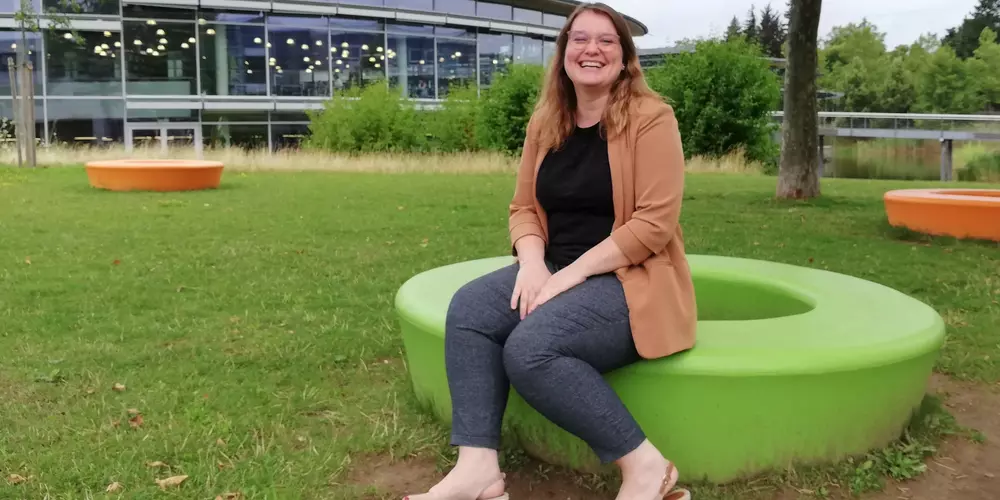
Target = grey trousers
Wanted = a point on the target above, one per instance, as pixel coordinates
(554, 359)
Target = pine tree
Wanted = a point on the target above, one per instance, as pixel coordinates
(773, 32)
(734, 29)
(750, 29)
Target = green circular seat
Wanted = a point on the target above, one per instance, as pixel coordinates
(792, 365)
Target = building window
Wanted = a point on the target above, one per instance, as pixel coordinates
(411, 65)
(160, 58)
(494, 11)
(527, 16)
(411, 4)
(92, 122)
(212, 15)
(144, 12)
(288, 136)
(9, 41)
(496, 52)
(548, 51)
(299, 57)
(356, 59)
(456, 64)
(234, 135)
(233, 60)
(461, 7)
(553, 20)
(106, 7)
(528, 50)
(7, 120)
(90, 65)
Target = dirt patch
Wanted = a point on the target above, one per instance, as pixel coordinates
(533, 481)
(961, 470)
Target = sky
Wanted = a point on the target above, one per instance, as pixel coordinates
(903, 21)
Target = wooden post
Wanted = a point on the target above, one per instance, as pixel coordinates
(946, 172)
(822, 162)
(15, 104)
(28, 112)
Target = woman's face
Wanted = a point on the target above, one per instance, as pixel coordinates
(593, 51)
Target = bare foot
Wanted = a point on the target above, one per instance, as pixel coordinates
(476, 476)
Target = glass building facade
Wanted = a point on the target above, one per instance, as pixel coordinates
(245, 72)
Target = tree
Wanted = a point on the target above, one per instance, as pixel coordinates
(798, 175)
(948, 84)
(772, 32)
(964, 39)
(854, 40)
(22, 88)
(750, 30)
(723, 94)
(734, 29)
(985, 67)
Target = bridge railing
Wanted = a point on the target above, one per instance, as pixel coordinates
(905, 121)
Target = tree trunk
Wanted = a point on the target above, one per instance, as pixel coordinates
(798, 176)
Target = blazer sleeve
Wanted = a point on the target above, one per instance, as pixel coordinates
(659, 187)
(524, 219)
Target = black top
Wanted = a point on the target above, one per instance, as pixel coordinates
(574, 189)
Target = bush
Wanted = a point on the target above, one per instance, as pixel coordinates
(506, 107)
(984, 167)
(375, 119)
(723, 94)
(453, 128)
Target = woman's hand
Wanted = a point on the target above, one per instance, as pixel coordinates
(560, 282)
(531, 278)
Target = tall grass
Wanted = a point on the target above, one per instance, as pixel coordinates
(292, 160)
(906, 159)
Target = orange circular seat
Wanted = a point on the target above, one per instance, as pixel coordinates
(154, 175)
(960, 213)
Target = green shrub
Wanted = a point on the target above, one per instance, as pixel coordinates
(506, 107)
(723, 94)
(375, 119)
(453, 127)
(984, 167)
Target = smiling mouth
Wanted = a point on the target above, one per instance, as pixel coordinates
(591, 65)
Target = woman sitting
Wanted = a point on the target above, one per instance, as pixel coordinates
(601, 278)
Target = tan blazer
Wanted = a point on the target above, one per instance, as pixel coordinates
(647, 167)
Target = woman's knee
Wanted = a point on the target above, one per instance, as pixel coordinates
(477, 307)
(525, 351)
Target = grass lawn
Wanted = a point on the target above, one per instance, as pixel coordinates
(252, 326)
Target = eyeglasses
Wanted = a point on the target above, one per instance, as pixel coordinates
(582, 39)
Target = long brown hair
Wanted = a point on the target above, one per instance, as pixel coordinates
(555, 111)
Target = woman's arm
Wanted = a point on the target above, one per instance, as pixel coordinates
(659, 188)
(523, 220)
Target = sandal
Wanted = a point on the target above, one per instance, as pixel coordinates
(669, 480)
(504, 496)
